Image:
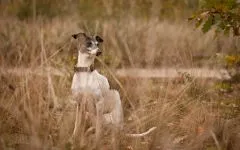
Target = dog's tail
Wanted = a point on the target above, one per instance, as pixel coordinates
(142, 134)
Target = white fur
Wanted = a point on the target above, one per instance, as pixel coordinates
(85, 59)
(98, 85)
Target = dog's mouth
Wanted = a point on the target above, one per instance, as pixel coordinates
(95, 51)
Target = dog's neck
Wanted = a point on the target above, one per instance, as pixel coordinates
(84, 60)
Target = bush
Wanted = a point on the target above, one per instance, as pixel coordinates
(224, 15)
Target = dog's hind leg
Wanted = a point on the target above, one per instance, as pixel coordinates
(117, 115)
(117, 112)
(113, 115)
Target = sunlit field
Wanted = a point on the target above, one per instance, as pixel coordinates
(36, 69)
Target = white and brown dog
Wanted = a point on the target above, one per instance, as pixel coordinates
(87, 81)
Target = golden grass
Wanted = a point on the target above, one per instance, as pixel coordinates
(35, 110)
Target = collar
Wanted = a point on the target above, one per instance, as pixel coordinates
(83, 69)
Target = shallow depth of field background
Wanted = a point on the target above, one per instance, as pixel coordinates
(36, 68)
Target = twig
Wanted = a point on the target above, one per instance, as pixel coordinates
(142, 134)
(215, 140)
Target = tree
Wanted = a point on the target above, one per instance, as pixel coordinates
(224, 15)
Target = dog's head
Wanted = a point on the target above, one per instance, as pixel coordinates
(87, 44)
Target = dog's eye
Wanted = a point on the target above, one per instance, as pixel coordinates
(89, 44)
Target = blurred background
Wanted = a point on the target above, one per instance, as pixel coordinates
(190, 111)
(130, 28)
(92, 10)
(137, 33)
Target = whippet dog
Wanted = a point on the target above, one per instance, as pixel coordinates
(87, 81)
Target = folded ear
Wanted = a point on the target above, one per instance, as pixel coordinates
(99, 39)
(75, 36)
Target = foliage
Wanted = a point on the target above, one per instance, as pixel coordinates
(224, 87)
(232, 60)
(224, 15)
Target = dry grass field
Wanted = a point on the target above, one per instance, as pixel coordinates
(36, 68)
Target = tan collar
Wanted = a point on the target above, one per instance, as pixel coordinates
(83, 69)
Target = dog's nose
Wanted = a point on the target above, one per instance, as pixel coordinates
(99, 53)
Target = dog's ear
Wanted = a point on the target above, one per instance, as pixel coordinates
(75, 36)
(99, 39)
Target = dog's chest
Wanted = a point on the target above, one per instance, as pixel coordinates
(89, 81)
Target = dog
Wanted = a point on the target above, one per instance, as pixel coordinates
(89, 86)
(88, 81)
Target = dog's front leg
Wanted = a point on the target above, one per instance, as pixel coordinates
(79, 100)
(76, 121)
(99, 120)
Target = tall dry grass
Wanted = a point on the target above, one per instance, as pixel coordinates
(34, 105)
(134, 42)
